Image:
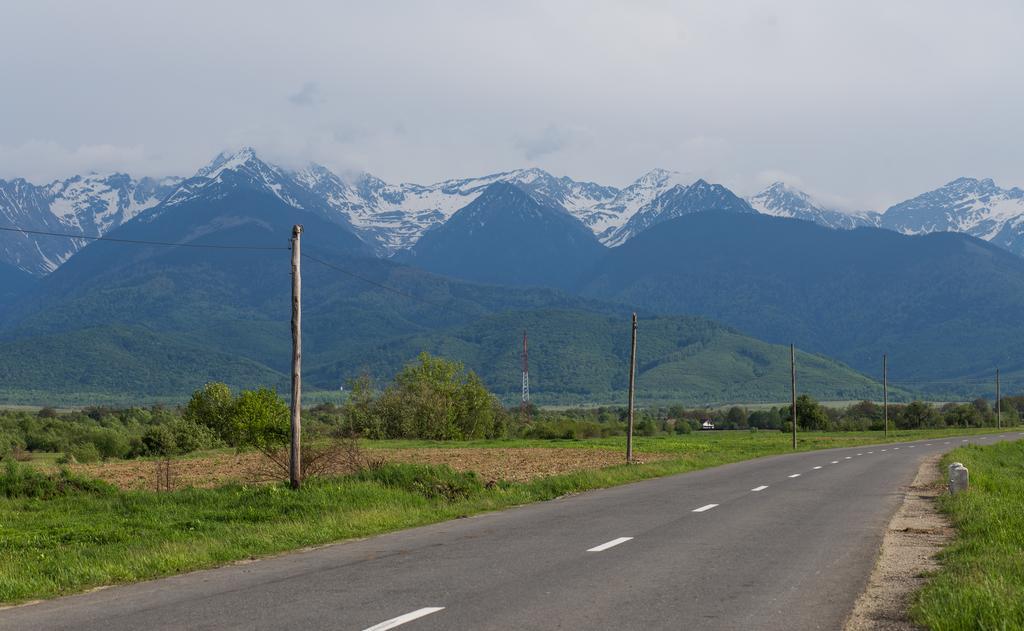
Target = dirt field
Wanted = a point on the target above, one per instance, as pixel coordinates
(517, 464)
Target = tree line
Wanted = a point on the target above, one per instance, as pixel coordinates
(434, 399)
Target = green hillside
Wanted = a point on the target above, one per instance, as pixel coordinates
(578, 357)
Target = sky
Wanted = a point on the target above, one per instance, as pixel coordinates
(862, 103)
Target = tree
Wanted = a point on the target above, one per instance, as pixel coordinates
(358, 410)
(985, 410)
(212, 407)
(963, 415)
(261, 419)
(917, 414)
(437, 399)
(1011, 415)
(810, 415)
(736, 417)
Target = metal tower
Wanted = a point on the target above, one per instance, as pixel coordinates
(526, 377)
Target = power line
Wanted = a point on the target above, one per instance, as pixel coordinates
(210, 246)
(216, 246)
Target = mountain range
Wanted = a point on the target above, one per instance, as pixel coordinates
(130, 320)
(391, 218)
(728, 285)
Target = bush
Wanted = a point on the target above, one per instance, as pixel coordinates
(84, 453)
(24, 481)
(190, 436)
(212, 407)
(109, 443)
(159, 440)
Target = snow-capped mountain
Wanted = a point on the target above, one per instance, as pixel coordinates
(606, 218)
(976, 207)
(90, 205)
(392, 217)
(677, 201)
(782, 200)
(486, 240)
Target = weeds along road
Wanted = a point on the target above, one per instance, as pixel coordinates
(786, 542)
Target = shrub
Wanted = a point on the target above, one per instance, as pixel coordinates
(190, 436)
(432, 482)
(24, 481)
(84, 453)
(159, 440)
(212, 407)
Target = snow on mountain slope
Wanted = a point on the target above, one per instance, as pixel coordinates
(91, 205)
(679, 200)
(393, 217)
(976, 207)
(781, 200)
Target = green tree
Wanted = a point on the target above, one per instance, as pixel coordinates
(917, 414)
(358, 411)
(736, 417)
(436, 399)
(963, 415)
(810, 415)
(261, 419)
(213, 407)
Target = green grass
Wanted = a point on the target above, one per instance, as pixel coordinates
(81, 539)
(728, 446)
(981, 582)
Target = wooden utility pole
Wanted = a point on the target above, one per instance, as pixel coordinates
(632, 391)
(792, 372)
(999, 408)
(885, 391)
(295, 462)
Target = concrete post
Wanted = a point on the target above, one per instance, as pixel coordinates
(959, 478)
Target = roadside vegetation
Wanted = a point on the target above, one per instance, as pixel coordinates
(431, 399)
(62, 531)
(981, 582)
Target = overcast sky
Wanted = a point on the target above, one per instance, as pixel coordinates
(864, 103)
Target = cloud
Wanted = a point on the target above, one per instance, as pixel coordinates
(594, 89)
(42, 161)
(551, 139)
(308, 95)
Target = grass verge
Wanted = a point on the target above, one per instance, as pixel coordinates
(981, 583)
(85, 534)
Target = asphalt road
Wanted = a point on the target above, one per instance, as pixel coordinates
(786, 542)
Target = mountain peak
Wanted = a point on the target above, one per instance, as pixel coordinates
(659, 177)
(229, 161)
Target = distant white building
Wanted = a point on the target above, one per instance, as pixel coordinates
(707, 424)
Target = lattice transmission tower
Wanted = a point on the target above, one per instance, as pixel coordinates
(526, 377)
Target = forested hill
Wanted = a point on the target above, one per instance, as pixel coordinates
(943, 306)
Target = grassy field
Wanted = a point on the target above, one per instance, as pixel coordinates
(981, 583)
(64, 534)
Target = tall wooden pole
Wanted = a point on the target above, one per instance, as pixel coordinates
(999, 408)
(632, 392)
(885, 391)
(792, 371)
(295, 462)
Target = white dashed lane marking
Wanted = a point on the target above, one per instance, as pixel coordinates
(759, 488)
(704, 508)
(409, 617)
(818, 467)
(795, 475)
(610, 544)
(835, 462)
